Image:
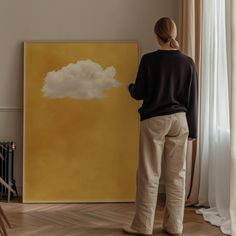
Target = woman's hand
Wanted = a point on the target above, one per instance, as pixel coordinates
(192, 139)
(130, 86)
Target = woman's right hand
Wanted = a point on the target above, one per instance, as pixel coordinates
(130, 86)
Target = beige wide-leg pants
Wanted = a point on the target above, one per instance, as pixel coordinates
(161, 136)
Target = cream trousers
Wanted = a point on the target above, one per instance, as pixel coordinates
(161, 136)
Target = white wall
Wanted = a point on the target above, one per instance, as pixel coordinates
(64, 20)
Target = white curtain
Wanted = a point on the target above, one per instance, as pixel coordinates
(214, 140)
(233, 119)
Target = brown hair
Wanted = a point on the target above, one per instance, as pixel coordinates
(165, 28)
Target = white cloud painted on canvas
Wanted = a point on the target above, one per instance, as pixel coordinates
(81, 80)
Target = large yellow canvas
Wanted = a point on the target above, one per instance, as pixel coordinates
(79, 150)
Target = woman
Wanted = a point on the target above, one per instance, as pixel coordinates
(167, 84)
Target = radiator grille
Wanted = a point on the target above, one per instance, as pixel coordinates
(7, 168)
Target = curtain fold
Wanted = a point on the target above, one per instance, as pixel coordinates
(190, 44)
(190, 31)
(233, 122)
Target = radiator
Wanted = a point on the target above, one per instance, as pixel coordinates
(7, 169)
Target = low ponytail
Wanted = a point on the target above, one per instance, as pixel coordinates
(174, 43)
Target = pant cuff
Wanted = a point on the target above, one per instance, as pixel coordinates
(142, 230)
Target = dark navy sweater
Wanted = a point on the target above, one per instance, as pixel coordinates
(167, 83)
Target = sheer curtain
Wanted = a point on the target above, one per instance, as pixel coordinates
(214, 138)
(233, 123)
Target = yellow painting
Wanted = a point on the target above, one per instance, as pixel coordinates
(80, 124)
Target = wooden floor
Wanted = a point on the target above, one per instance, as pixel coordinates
(89, 219)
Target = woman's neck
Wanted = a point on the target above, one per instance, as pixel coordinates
(166, 47)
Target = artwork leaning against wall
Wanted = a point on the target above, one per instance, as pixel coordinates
(80, 127)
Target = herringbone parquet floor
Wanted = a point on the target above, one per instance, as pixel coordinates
(89, 219)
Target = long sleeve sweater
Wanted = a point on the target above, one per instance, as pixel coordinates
(167, 83)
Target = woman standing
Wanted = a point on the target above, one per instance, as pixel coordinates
(167, 84)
